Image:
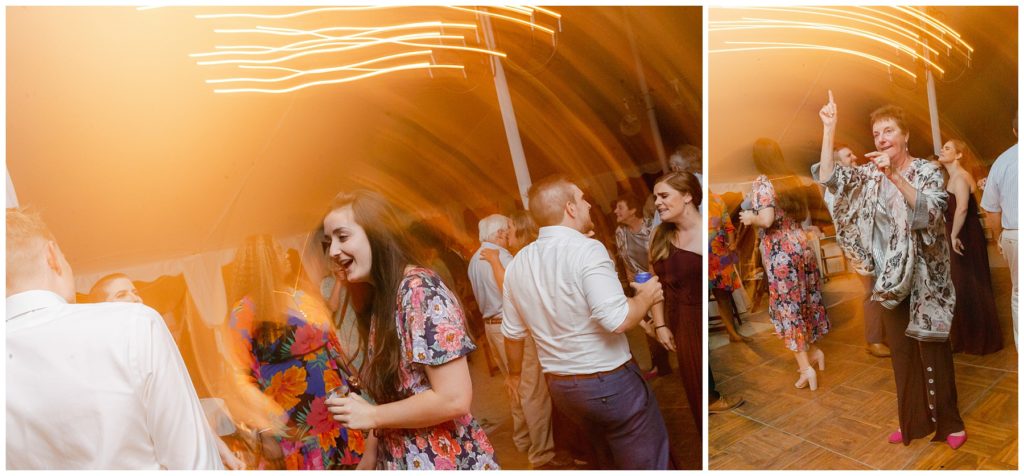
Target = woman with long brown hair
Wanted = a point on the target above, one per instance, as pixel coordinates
(285, 347)
(790, 265)
(676, 257)
(975, 327)
(415, 380)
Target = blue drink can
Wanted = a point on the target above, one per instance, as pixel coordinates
(642, 278)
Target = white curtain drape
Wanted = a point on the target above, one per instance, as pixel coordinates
(203, 275)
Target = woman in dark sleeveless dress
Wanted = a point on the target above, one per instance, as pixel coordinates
(676, 248)
(975, 327)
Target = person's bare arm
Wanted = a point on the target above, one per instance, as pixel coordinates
(448, 397)
(961, 190)
(829, 116)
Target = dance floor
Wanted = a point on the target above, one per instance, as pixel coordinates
(490, 407)
(844, 424)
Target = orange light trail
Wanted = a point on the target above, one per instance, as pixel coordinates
(413, 66)
(765, 46)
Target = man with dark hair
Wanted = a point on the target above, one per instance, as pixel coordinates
(562, 289)
(631, 240)
(91, 386)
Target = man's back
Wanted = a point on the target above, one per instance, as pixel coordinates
(481, 278)
(563, 287)
(98, 386)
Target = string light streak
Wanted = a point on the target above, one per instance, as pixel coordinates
(548, 12)
(403, 40)
(309, 44)
(917, 38)
(949, 46)
(507, 18)
(761, 24)
(299, 73)
(856, 17)
(337, 9)
(352, 51)
(766, 46)
(936, 23)
(379, 72)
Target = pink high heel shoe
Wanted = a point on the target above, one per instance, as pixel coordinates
(956, 441)
(807, 378)
(895, 437)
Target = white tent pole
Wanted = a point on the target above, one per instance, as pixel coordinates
(508, 116)
(933, 105)
(641, 79)
(12, 198)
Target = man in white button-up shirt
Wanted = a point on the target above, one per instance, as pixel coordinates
(563, 289)
(91, 386)
(1000, 201)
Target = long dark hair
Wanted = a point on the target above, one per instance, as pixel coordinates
(686, 184)
(789, 195)
(375, 301)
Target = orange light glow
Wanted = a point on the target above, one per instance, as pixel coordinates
(766, 46)
(424, 38)
(379, 72)
(297, 73)
(759, 24)
(857, 17)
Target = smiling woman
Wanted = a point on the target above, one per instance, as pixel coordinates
(416, 380)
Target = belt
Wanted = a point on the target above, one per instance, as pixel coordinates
(493, 319)
(588, 376)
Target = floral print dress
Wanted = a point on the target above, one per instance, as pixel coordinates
(794, 284)
(296, 370)
(432, 331)
(721, 260)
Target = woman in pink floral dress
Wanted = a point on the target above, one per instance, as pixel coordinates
(415, 370)
(794, 284)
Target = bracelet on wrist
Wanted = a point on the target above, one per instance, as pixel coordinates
(659, 327)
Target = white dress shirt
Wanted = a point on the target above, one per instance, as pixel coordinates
(562, 288)
(1000, 193)
(481, 277)
(99, 386)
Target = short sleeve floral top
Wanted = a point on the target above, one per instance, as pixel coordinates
(432, 331)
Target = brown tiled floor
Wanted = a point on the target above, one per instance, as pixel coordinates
(490, 407)
(844, 424)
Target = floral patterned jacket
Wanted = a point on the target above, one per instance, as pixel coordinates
(904, 247)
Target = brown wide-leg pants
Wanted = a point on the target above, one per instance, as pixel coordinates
(925, 381)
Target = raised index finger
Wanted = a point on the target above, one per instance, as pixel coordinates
(831, 100)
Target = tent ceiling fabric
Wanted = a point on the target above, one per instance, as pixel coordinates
(777, 94)
(132, 158)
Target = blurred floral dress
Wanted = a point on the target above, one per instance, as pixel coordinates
(295, 370)
(432, 331)
(722, 261)
(794, 284)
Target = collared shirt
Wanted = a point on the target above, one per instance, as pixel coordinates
(632, 247)
(562, 289)
(1001, 188)
(99, 386)
(481, 277)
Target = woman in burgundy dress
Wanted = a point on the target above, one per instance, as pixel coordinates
(975, 327)
(676, 258)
